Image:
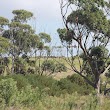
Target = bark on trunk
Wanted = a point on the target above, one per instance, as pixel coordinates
(98, 87)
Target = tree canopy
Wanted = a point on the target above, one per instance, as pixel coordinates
(88, 26)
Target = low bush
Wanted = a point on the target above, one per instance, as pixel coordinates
(48, 65)
(40, 81)
(40, 92)
(80, 85)
(28, 96)
(10, 95)
(60, 67)
(66, 86)
(8, 91)
(20, 80)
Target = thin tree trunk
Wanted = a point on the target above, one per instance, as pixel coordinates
(35, 60)
(12, 69)
(40, 63)
(98, 87)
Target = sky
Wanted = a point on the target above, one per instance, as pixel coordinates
(46, 12)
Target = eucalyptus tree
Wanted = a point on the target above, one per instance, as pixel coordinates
(87, 25)
(19, 33)
(45, 39)
(4, 45)
(42, 45)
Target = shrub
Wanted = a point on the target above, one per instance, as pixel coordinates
(29, 96)
(48, 65)
(20, 66)
(75, 78)
(66, 86)
(47, 84)
(60, 67)
(21, 80)
(8, 90)
(80, 85)
(40, 81)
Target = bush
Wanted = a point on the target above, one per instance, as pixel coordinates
(80, 85)
(48, 65)
(66, 86)
(8, 90)
(21, 80)
(11, 95)
(75, 78)
(20, 66)
(40, 81)
(60, 67)
(29, 96)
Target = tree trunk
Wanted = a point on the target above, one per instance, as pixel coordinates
(98, 86)
(12, 69)
(99, 96)
(35, 60)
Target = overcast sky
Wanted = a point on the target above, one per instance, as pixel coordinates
(47, 13)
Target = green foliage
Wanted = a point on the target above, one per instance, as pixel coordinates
(40, 45)
(99, 55)
(4, 45)
(39, 81)
(91, 13)
(31, 63)
(52, 87)
(80, 85)
(65, 35)
(35, 41)
(12, 96)
(99, 52)
(22, 82)
(41, 91)
(29, 96)
(22, 36)
(60, 67)
(20, 66)
(45, 37)
(3, 21)
(8, 90)
(48, 65)
(66, 86)
(22, 15)
(4, 62)
(22, 33)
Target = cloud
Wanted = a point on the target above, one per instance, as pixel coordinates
(48, 9)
